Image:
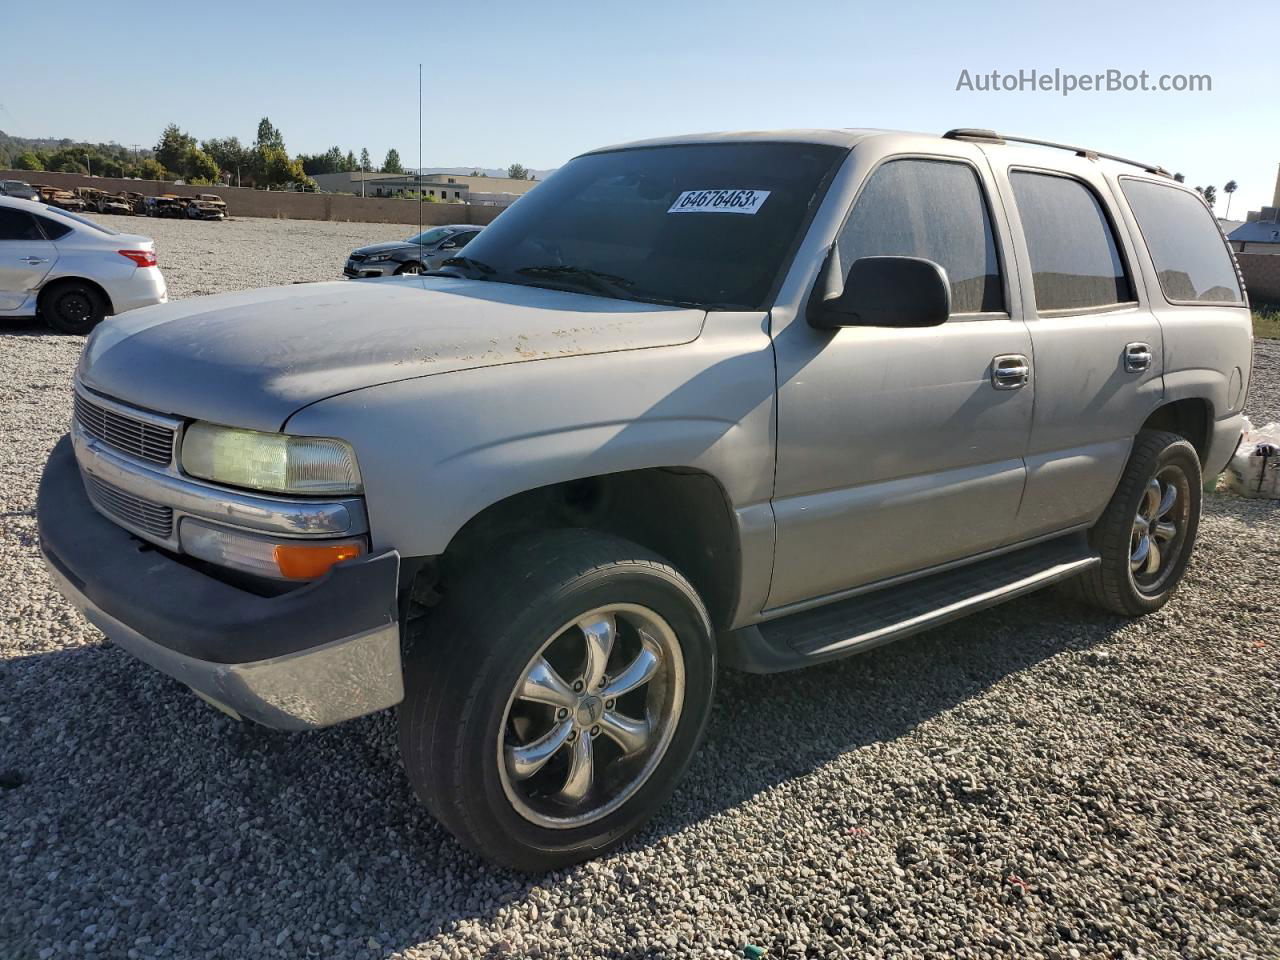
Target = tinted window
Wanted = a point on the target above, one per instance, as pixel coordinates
(434, 235)
(84, 220)
(52, 228)
(18, 225)
(463, 239)
(1075, 262)
(1186, 247)
(709, 224)
(935, 210)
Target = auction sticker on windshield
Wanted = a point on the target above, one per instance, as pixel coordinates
(719, 201)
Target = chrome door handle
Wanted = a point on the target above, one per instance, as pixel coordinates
(1010, 371)
(35, 259)
(1137, 357)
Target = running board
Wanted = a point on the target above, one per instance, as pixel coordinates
(870, 619)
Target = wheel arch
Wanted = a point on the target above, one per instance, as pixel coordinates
(681, 513)
(1190, 418)
(61, 281)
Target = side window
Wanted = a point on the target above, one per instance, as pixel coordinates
(463, 239)
(52, 228)
(1075, 261)
(933, 209)
(18, 225)
(1190, 258)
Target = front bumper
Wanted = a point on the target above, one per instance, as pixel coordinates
(363, 269)
(321, 654)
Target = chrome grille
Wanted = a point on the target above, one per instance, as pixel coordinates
(137, 438)
(133, 511)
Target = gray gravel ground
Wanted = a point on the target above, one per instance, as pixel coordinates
(1039, 780)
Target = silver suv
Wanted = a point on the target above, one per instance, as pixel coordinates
(740, 400)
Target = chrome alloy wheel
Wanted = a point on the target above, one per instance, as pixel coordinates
(571, 751)
(1159, 529)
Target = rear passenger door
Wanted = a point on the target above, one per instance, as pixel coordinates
(1097, 347)
(26, 257)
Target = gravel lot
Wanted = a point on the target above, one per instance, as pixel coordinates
(1039, 780)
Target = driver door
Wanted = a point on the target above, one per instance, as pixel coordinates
(902, 449)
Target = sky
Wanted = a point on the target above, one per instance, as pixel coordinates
(537, 83)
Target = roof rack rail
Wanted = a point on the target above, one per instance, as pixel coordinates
(990, 136)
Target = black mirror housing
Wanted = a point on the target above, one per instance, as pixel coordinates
(886, 292)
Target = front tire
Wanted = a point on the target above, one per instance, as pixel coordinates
(1146, 534)
(555, 698)
(73, 307)
(408, 268)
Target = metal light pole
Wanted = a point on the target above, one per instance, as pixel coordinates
(88, 164)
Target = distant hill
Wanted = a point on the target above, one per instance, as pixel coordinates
(487, 171)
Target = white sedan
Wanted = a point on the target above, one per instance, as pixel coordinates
(70, 270)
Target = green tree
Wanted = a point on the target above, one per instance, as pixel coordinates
(1179, 178)
(1210, 196)
(1229, 189)
(518, 171)
(392, 163)
(278, 170)
(199, 167)
(149, 168)
(173, 148)
(268, 135)
(349, 164)
(365, 163)
(29, 160)
(228, 153)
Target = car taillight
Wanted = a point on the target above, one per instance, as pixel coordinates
(143, 258)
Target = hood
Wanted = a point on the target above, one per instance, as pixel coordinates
(252, 359)
(389, 245)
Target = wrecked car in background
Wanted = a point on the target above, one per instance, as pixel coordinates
(57, 197)
(114, 203)
(166, 206)
(206, 206)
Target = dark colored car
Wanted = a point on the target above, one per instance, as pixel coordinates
(426, 251)
(18, 189)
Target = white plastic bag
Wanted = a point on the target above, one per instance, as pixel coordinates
(1254, 470)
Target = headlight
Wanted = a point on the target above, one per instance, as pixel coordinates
(382, 257)
(269, 461)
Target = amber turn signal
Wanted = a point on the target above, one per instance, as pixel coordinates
(308, 561)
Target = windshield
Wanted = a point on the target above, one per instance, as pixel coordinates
(708, 225)
(434, 235)
(84, 220)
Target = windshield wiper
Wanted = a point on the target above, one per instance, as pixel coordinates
(475, 265)
(595, 281)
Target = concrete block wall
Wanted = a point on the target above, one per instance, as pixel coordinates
(1261, 276)
(246, 202)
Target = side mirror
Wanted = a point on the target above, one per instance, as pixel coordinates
(449, 245)
(884, 292)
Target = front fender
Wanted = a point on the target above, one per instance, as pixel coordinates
(435, 451)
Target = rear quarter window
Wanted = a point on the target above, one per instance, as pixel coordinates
(1188, 251)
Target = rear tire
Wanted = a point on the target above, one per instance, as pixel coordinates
(73, 307)
(1147, 533)
(470, 732)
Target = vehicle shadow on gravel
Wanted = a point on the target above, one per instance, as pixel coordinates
(131, 785)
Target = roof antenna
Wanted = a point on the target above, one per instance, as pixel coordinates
(419, 177)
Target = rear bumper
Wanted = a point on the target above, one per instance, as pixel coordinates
(142, 288)
(316, 656)
(1223, 440)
